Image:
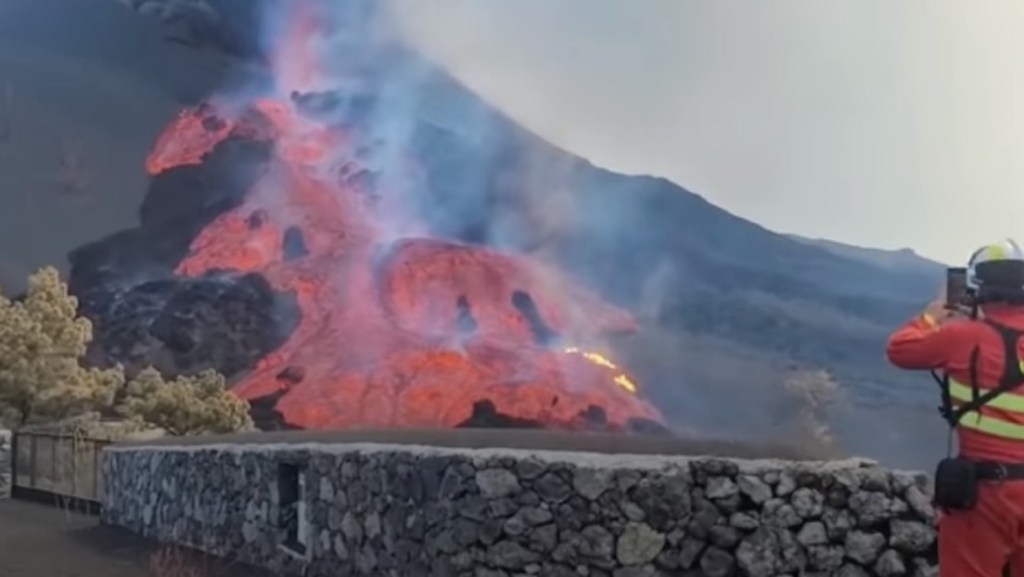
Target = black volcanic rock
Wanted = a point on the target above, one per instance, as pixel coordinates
(179, 204)
(229, 26)
(192, 196)
(143, 315)
(183, 326)
(486, 416)
(265, 415)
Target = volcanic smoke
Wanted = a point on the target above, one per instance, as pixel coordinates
(413, 332)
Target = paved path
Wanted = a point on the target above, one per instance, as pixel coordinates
(41, 541)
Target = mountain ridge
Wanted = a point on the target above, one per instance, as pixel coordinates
(905, 258)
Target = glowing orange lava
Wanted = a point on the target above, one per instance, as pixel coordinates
(407, 334)
(192, 134)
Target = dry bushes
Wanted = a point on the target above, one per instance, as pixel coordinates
(185, 405)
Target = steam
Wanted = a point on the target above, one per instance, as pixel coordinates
(353, 56)
(438, 160)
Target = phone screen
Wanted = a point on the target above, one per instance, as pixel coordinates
(956, 286)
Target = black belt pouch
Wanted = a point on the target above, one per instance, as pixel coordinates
(956, 484)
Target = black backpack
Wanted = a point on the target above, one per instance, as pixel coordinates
(956, 479)
(1012, 377)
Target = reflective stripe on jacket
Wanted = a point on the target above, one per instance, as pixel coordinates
(996, 432)
(988, 419)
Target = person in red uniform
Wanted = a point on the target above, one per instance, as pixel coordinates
(977, 350)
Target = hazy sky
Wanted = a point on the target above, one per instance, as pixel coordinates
(873, 122)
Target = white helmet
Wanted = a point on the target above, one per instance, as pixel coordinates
(997, 269)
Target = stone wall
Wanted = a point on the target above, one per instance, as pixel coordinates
(6, 463)
(400, 510)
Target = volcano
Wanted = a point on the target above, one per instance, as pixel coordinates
(725, 308)
(292, 204)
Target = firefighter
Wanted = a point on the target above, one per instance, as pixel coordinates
(974, 350)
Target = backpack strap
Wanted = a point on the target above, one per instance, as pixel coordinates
(951, 414)
(946, 408)
(1012, 377)
(1013, 372)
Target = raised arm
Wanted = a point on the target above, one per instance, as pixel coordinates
(923, 343)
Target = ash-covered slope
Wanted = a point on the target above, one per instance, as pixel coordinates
(84, 88)
(727, 307)
(713, 291)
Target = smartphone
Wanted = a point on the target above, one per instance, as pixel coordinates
(956, 286)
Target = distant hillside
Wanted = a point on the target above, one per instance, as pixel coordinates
(729, 310)
(903, 259)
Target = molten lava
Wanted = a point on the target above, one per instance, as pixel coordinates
(620, 379)
(418, 332)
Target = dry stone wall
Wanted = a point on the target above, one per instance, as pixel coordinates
(403, 511)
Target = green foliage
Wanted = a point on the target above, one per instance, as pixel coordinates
(41, 341)
(187, 405)
(42, 379)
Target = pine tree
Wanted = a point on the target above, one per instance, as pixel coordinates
(42, 339)
(186, 405)
(42, 378)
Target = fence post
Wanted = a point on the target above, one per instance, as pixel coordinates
(32, 464)
(53, 464)
(74, 467)
(8, 458)
(96, 448)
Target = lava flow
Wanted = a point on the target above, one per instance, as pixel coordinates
(418, 332)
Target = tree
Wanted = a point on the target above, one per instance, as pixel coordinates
(42, 379)
(186, 405)
(42, 339)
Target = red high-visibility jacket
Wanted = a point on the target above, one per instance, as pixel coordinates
(996, 432)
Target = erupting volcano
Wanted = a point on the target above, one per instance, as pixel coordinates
(396, 328)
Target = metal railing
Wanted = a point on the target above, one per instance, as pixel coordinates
(48, 465)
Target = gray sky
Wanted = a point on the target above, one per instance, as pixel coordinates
(873, 122)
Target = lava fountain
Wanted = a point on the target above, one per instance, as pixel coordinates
(395, 330)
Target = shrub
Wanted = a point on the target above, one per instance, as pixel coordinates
(186, 405)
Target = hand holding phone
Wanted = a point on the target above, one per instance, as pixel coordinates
(956, 287)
